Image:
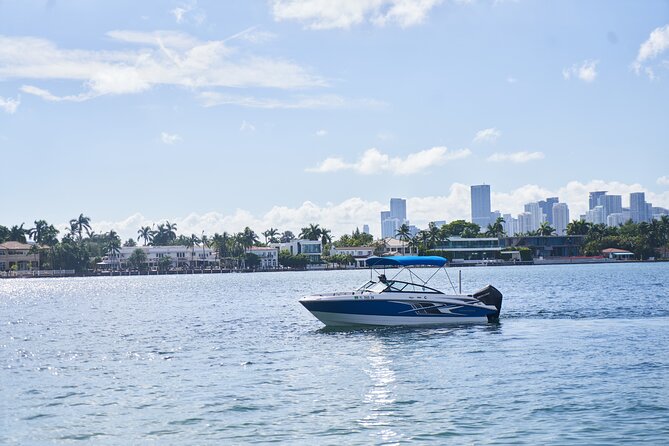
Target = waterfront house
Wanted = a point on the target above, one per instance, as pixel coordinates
(180, 257)
(359, 253)
(617, 254)
(470, 249)
(17, 256)
(547, 246)
(269, 256)
(310, 248)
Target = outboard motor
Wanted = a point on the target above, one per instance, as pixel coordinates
(490, 296)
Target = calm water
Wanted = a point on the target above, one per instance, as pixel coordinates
(581, 356)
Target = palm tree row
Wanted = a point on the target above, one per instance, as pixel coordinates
(80, 246)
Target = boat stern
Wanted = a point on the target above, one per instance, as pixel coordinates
(490, 296)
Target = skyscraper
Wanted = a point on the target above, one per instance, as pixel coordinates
(398, 209)
(536, 215)
(638, 207)
(547, 208)
(560, 215)
(594, 198)
(612, 204)
(385, 215)
(394, 218)
(481, 205)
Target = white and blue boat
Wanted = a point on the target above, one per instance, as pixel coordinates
(390, 302)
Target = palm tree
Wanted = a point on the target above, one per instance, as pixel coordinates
(578, 227)
(325, 236)
(17, 234)
(205, 244)
(77, 225)
(311, 232)
(437, 236)
(146, 233)
(171, 230)
(403, 233)
(545, 229)
(248, 238)
(39, 231)
(270, 235)
(216, 243)
(34, 250)
(192, 241)
(113, 246)
(496, 229)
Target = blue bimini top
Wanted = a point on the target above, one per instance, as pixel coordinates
(406, 261)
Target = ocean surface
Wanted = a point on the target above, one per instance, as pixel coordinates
(580, 357)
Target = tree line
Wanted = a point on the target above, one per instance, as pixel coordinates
(81, 248)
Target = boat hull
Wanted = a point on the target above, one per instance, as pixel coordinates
(387, 309)
(357, 320)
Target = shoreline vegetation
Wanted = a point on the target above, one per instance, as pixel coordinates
(82, 252)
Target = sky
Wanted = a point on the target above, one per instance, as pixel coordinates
(217, 115)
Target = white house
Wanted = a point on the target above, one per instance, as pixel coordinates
(310, 248)
(359, 253)
(269, 256)
(179, 255)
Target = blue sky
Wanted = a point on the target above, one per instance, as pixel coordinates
(217, 115)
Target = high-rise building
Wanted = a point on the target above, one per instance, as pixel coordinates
(481, 205)
(398, 209)
(510, 225)
(394, 218)
(537, 215)
(615, 219)
(365, 229)
(525, 223)
(389, 227)
(638, 207)
(612, 204)
(385, 215)
(594, 198)
(596, 215)
(547, 208)
(560, 216)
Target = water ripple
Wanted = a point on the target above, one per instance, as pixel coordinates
(579, 357)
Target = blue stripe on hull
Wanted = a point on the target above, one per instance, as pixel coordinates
(391, 308)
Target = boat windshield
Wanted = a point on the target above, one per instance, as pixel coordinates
(396, 286)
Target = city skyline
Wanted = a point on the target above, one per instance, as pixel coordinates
(281, 113)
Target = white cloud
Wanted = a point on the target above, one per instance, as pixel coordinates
(487, 135)
(321, 132)
(320, 102)
(587, 71)
(511, 80)
(328, 14)
(344, 217)
(247, 127)
(663, 180)
(151, 58)
(656, 44)
(48, 96)
(516, 157)
(254, 35)
(189, 12)
(168, 138)
(9, 105)
(374, 162)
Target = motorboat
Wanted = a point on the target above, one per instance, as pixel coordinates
(404, 299)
